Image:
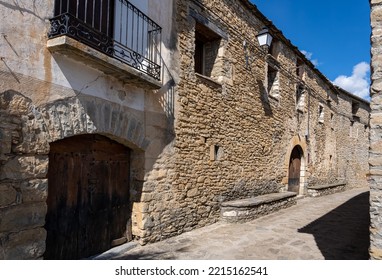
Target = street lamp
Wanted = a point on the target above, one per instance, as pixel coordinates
(264, 38)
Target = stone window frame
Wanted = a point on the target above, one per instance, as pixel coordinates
(210, 44)
(332, 120)
(272, 77)
(207, 45)
(216, 152)
(300, 97)
(354, 110)
(300, 69)
(300, 89)
(354, 107)
(321, 114)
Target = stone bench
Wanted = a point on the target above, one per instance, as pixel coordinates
(320, 190)
(243, 210)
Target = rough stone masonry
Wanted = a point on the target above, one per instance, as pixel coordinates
(375, 155)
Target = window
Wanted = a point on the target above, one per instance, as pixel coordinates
(216, 153)
(354, 108)
(272, 70)
(300, 98)
(332, 124)
(299, 68)
(273, 85)
(321, 114)
(207, 44)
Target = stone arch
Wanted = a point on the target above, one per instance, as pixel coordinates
(83, 115)
(299, 143)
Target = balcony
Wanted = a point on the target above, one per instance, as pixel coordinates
(112, 35)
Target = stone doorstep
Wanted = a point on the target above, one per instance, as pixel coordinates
(246, 209)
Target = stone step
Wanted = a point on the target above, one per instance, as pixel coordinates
(243, 210)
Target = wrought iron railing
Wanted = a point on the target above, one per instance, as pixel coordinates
(115, 27)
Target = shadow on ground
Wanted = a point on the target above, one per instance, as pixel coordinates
(343, 233)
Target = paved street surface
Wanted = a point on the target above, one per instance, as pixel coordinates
(329, 227)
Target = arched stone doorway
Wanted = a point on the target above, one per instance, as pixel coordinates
(296, 167)
(88, 196)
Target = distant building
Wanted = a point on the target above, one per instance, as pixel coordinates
(126, 121)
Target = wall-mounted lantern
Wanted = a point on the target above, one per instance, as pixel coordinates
(264, 38)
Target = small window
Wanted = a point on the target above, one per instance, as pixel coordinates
(300, 98)
(207, 44)
(354, 108)
(299, 68)
(321, 114)
(273, 85)
(216, 153)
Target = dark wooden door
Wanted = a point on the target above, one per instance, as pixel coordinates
(294, 170)
(88, 196)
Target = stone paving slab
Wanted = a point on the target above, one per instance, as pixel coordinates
(329, 227)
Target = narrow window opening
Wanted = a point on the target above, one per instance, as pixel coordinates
(273, 85)
(207, 45)
(299, 68)
(321, 114)
(300, 98)
(216, 153)
(354, 108)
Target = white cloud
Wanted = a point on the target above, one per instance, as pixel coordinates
(309, 56)
(358, 82)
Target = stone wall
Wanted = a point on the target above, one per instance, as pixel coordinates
(233, 138)
(23, 185)
(26, 132)
(46, 96)
(375, 156)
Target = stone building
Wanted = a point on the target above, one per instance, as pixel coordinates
(375, 156)
(125, 121)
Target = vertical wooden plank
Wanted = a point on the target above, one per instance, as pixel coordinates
(294, 170)
(88, 196)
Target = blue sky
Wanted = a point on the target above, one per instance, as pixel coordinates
(334, 35)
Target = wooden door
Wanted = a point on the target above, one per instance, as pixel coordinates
(294, 170)
(88, 196)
